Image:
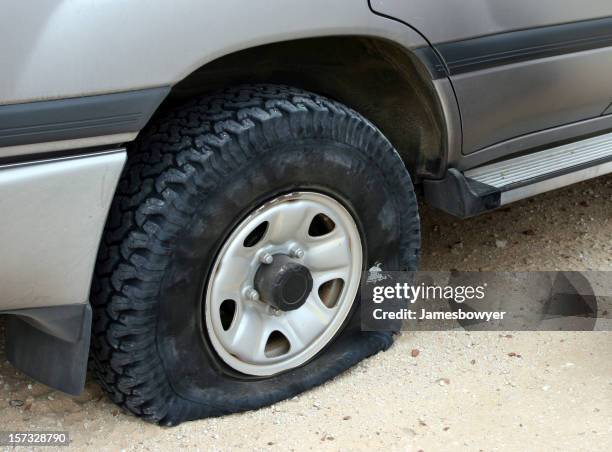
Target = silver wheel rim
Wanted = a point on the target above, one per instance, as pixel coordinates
(248, 333)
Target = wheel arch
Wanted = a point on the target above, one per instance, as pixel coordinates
(385, 82)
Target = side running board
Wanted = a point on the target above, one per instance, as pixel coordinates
(497, 184)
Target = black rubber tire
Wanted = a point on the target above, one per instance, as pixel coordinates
(192, 175)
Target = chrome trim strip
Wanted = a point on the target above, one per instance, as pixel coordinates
(63, 145)
(60, 159)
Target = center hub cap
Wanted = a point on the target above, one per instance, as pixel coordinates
(284, 284)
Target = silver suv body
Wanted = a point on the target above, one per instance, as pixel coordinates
(486, 102)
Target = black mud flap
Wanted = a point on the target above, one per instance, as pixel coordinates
(460, 196)
(51, 345)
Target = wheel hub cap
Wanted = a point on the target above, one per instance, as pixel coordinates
(284, 284)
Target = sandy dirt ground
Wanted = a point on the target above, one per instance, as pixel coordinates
(462, 391)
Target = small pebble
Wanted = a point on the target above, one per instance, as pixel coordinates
(501, 243)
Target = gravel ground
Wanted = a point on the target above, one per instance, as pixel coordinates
(462, 391)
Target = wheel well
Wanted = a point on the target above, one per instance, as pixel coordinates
(379, 79)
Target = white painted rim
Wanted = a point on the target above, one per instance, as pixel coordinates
(245, 345)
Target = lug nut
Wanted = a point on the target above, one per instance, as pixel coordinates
(297, 253)
(274, 311)
(266, 258)
(251, 294)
